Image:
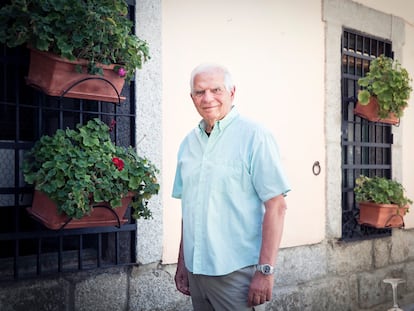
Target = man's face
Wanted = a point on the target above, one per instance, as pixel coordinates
(211, 99)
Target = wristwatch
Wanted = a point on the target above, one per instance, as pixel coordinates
(266, 269)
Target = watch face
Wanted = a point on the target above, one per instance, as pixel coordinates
(265, 269)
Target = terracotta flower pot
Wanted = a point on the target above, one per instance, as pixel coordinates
(45, 211)
(370, 112)
(56, 76)
(381, 215)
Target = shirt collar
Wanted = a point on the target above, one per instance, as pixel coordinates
(223, 123)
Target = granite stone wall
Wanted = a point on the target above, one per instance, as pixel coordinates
(327, 276)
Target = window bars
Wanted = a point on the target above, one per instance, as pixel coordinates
(27, 248)
(366, 146)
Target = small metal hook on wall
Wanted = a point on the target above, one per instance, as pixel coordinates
(316, 168)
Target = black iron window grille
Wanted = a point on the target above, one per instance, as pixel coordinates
(28, 249)
(366, 146)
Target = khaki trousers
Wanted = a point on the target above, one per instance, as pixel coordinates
(222, 293)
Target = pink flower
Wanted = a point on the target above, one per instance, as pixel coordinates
(119, 163)
(121, 72)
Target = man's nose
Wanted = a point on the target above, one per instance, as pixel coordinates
(208, 96)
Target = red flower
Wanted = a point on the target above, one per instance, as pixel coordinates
(119, 163)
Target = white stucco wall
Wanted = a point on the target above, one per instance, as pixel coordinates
(275, 50)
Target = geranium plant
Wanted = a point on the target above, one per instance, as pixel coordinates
(380, 190)
(76, 167)
(389, 83)
(96, 30)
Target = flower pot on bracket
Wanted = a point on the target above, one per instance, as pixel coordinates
(370, 112)
(381, 215)
(45, 211)
(56, 76)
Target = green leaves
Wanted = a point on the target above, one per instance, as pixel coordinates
(88, 141)
(74, 167)
(363, 97)
(389, 82)
(96, 30)
(380, 190)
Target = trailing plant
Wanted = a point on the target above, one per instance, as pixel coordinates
(380, 190)
(76, 167)
(96, 30)
(389, 82)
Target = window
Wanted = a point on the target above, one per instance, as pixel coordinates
(366, 146)
(27, 248)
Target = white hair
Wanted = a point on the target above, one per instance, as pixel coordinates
(210, 67)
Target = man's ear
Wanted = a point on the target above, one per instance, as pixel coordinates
(232, 91)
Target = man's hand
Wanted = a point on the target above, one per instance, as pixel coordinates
(260, 289)
(181, 278)
(181, 275)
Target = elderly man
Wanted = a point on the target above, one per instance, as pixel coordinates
(232, 187)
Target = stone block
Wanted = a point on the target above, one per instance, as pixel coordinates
(339, 294)
(285, 298)
(107, 291)
(152, 288)
(349, 258)
(300, 264)
(382, 248)
(400, 242)
(42, 295)
(409, 236)
(409, 276)
(372, 289)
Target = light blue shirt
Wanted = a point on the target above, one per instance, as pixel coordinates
(222, 181)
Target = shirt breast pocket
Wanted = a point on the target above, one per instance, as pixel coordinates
(231, 178)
